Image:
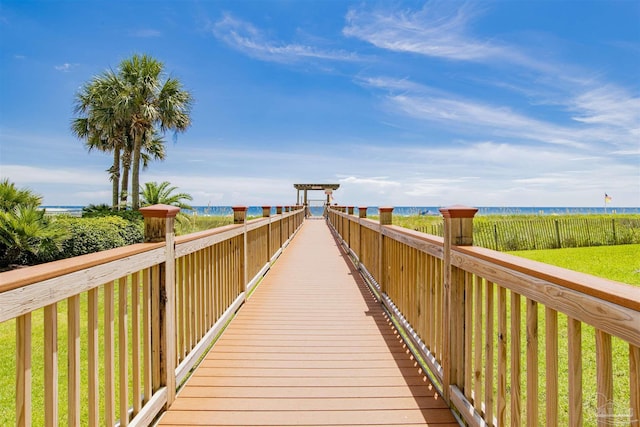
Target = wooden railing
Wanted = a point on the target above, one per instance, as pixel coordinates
(507, 341)
(136, 319)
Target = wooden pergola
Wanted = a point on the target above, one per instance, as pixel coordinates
(327, 188)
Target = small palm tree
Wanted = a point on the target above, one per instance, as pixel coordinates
(10, 196)
(25, 233)
(153, 194)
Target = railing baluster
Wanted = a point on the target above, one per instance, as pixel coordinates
(489, 340)
(146, 334)
(634, 384)
(51, 365)
(532, 362)
(123, 350)
(502, 356)
(73, 358)
(182, 318)
(135, 343)
(551, 360)
(210, 295)
(109, 366)
(216, 281)
(516, 350)
(92, 355)
(575, 372)
(477, 325)
(202, 327)
(430, 305)
(468, 336)
(23, 370)
(188, 296)
(604, 369)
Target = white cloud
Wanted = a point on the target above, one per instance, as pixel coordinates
(39, 174)
(432, 31)
(449, 110)
(215, 189)
(248, 39)
(615, 109)
(66, 67)
(487, 174)
(439, 29)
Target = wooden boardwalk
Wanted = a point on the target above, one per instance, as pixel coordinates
(311, 347)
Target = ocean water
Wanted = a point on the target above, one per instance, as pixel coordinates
(399, 210)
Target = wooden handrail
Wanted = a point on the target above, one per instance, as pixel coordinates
(604, 289)
(21, 277)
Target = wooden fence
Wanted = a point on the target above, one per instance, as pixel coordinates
(136, 319)
(508, 341)
(511, 234)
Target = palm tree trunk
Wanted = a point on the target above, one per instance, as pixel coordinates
(115, 177)
(135, 171)
(126, 170)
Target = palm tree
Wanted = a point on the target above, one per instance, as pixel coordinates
(126, 112)
(154, 194)
(150, 103)
(100, 125)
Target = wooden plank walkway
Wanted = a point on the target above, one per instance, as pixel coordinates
(310, 347)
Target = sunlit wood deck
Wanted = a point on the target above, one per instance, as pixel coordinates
(311, 346)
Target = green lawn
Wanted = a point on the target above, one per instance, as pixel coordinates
(620, 263)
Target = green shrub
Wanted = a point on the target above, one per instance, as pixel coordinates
(103, 210)
(88, 235)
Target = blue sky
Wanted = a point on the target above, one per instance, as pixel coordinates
(506, 103)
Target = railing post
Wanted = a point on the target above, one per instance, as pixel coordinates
(158, 227)
(279, 212)
(240, 217)
(458, 230)
(266, 213)
(362, 213)
(386, 218)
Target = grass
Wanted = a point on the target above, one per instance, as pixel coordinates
(7, 362)
(193, 223)
(619, 263)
